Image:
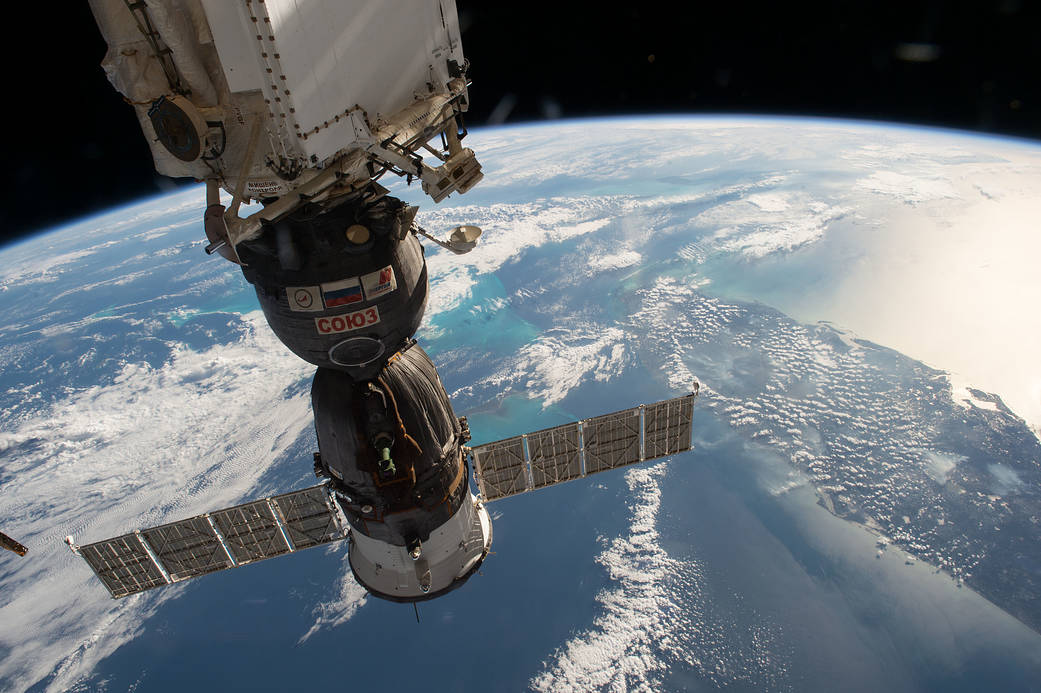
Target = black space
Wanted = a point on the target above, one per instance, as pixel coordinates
(77, 148)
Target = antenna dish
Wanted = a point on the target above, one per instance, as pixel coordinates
(464, 238)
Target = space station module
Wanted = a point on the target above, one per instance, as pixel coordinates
(302, 108)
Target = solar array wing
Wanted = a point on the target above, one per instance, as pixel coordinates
(188, 548)
(215, 541)
(309, 519)
(124, 565)
(612, 440)
(555, 455)
(667, 427)
(503, 468)
(251, 531)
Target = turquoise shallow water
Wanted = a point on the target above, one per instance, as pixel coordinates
(240, 302)
(483, 320)
(513, 415)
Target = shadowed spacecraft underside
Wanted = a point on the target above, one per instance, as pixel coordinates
(291, 106)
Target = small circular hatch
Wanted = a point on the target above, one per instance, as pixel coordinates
(356, 351)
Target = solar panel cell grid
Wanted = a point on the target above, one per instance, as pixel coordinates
(612, 440)
(307, 517)
(555, 455)
(502, 470)
(123, 565)
(250, 532)
(192, 547)
(187, 548)
(667, 427)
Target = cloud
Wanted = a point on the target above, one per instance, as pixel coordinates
(1006, 480)
(657, 615)
(45, 269)
(559, 360)
(760, 224)
(619, 260)
(155, 445)
(908, 188)
(619, 651)
(335, 612)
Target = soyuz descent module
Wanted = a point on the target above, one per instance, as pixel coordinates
(302, 107)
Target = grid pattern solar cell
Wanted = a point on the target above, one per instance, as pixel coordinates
(501, 468)
(307, 517)
(612, 440)
(123, 565)
(667, 427)
(251, 532)
(187, 548)
(555, 455)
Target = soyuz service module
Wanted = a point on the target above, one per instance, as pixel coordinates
(302, 107)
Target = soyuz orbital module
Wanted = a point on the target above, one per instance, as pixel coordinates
(303, 107)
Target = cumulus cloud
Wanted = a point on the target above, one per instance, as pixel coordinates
(619, 651)
(612, 261)
(907, 188)
(656, 615)
(559, 360)
(764, 223)
(337, 611)
(155, 445)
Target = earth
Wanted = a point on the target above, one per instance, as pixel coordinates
(860, 511)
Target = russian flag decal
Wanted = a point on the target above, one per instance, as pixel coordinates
(342, 293)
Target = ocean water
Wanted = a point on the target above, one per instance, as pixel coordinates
(844, 616)
(763, 588)
(770, 575)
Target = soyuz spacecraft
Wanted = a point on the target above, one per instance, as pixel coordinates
(303, 107)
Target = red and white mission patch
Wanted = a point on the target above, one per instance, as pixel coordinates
(379, 282)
